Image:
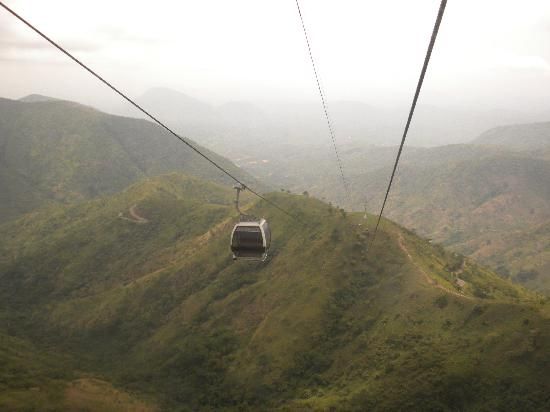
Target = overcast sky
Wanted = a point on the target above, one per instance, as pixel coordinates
(490, 53)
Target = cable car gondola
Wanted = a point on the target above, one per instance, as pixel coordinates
(251, 237)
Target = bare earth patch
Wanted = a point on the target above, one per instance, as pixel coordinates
(88, 394)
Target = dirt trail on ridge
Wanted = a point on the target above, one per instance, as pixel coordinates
(135, 216)
(427, 277)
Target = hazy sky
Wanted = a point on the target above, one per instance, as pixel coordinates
(490, 53)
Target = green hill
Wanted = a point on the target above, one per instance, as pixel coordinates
(59, 151)
(528, 137)
(139, 289)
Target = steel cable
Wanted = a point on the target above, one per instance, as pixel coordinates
(413, 106)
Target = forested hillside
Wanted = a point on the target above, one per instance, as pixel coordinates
(483, 201)
(139, 289)
(59, 151)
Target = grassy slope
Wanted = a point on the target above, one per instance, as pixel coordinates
(58, 151)
(160, 308)
(494, 211)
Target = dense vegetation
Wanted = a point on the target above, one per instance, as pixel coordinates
(138, 288)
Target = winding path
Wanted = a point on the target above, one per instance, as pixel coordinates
(427, 277)
(135, 216)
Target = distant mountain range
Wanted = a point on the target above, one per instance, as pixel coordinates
(37, 98)
(59, 151)
(244, 130)
(527, 137)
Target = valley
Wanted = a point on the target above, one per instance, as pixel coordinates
(123, 295)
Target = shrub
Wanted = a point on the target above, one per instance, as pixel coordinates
(503, 271)
(524, 276)
(441, 302)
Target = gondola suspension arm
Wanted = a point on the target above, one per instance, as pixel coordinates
(239, 188)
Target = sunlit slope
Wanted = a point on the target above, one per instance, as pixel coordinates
(523, 255)
(59, 151)
(493, 210)
(496, 194)
(159, 307)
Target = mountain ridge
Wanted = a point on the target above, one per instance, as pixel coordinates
(36, 98)
(525, 137)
